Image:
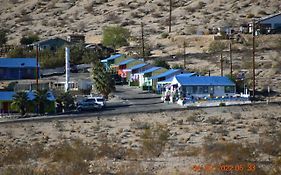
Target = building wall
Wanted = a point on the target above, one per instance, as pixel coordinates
(17, 73)
(206, 91)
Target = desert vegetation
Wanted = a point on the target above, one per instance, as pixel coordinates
(243, 140)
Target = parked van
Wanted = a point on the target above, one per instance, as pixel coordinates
(97, 100)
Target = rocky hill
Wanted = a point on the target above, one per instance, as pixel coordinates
(59, 17)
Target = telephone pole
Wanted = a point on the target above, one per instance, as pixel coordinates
(230, 56)
(37, 67)
(184, 55)
(254, 64)
(142, 41)
(221, 60)
(170, 17)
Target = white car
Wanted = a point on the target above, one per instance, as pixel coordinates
(97, 100)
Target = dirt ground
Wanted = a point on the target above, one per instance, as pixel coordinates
(188, 134)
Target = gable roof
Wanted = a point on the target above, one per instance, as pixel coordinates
(47, 40)
(112, 57)
(164, 74)
(138, 66)
(269, 16)
(126, 62)
(18, 62)
(205, 80)
(150, 70)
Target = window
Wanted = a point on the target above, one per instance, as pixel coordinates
(229, 89)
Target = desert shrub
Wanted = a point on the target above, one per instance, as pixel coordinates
(164, 35)
(217, 46)
(29, 39)
(188, 151)
(153, 141)
(140, 125)
(215, 120)
(161, 63)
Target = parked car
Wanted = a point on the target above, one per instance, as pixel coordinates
(97, 100)
(88, 106)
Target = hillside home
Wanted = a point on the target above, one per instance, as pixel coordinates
(267, 25)
(18, 68)
(163, 76)
(169, 78)
(52, 43)
(203, 86)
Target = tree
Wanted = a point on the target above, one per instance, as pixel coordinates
(3, 37)
(65, 101)
(20, 102)
(217, 47)
(161, 63)
(25, 40)
(41, 99)
(115, 36)
(103, 81)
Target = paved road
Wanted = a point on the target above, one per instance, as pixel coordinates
(132, 100)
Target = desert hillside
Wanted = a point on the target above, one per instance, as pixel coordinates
(59, 17)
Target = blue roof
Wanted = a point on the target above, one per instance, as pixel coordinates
(138, 66)
(169, 80)
(8, 95)
(126, 62)
(164, 74)
(150, 70)
(112, 57)
(18, 62)
(204, 80)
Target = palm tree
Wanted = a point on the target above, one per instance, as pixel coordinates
(65, 101)
(41, 99)
(21, 101)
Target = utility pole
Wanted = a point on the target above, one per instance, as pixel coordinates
(37, 67)
(221, 60)
(170, 17)
(142, 41)
(230, 56)
(184, 55)
(254, 64)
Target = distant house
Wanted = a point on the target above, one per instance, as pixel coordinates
(143, 78)
(123, 65)
(6, 99)
(18, 68)
(132, 73)
(163, 76)
(110, 60)
(203, 86)
(267, 25)
(53, 43)
(76, 38)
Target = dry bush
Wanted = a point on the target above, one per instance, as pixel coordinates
(140, 125)
(134, 168)
(188, 151)
(196, 116)
(215, 120)
(153, 140)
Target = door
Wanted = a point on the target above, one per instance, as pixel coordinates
(5, 107)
